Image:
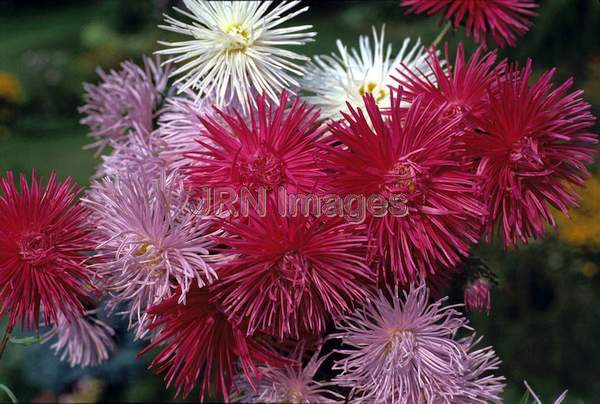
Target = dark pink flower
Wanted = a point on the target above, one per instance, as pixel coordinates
(504, 20)
(198, 341)
(273, 147)
(408, 157)
(290, 275)
(44, 240)
(533, 144)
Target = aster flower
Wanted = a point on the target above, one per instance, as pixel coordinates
(410, 159)
(461, 88)
(235, 51)
(84, 340)
(293, 383)
(347, 77)
(477, 295)
(402, 349)
(533, 145)
(275, 148)
(198, 341)
(44, 241)
(151, 241)
(291, 275)
(504, 20)
(123, 99)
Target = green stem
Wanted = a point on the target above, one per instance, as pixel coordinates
(5, 338)
(441, 35)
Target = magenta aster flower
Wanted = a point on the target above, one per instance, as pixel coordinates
(461, 88)
(124, 98)
(477, 295)
(408, 157)
(504, 20)
(44, 241)
(403, 349)
(533, 145)
(151, 241)
(197, 340)
(274, 147)
(291, 275)
(293, 383)
(84, 340)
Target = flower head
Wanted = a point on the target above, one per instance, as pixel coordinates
(477, 295)
(123, 99)
(44, 241)
(198, 341)
(151, 241)
(291, 275)
(235, 51)
(409, 159)
(504, 20)
(84, 340)
(462, 88)
(403, 349)
(276, 147)
(533, 144)
(337, 79)
(292, 383)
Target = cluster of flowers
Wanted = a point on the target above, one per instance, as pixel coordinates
(242, 306)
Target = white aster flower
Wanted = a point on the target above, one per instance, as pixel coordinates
(349, 75)
(235, 50)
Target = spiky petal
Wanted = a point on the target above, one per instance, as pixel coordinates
(44, 241)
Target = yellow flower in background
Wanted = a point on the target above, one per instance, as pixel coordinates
(583, 228)
(10, 87)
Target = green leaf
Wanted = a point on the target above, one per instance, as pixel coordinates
(9, 393)
(525, 398)
(26, 341)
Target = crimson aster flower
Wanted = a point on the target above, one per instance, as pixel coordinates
(291, 274)
(151, 242)
(123, 98)
(44, 241)
(84, 340)
(504, 20)
(533, 145)
(462, 88)
(292, 383)
(408, 157)
(198, 341)
(400, 348)
(275, 147)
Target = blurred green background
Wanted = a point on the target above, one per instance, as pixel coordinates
(545, 322)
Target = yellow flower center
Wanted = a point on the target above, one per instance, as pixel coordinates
(371, 87)
(238, 38)
(144, 249)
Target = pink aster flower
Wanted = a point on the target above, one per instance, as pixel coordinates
(84, 340)
(151, 241)
(533, 145)
(409, 157)
(477, 295)
(274, 147)
(198, 341)
(504, 20)
(291, 275)
(293, 383)
(462, 88)
(403, 349)
(126, 97)
(44, 240)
